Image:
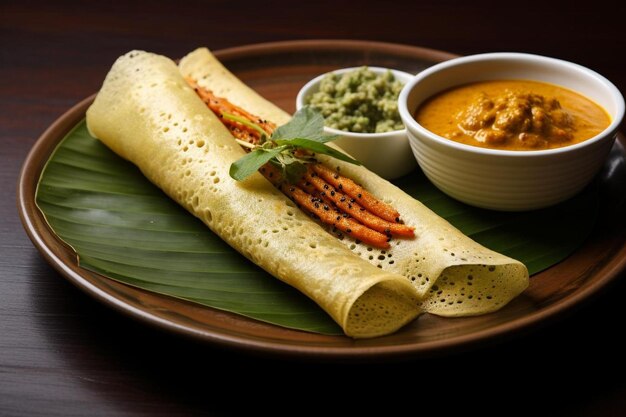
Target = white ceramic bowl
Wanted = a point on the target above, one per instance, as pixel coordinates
(387, 154)
(500, 179)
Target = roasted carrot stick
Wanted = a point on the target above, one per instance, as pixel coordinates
(329, 215)
(362, 196)
(349, 205)
(326, 211)
(221, 106)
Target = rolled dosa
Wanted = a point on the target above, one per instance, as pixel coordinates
(451, 274)
(146, 113)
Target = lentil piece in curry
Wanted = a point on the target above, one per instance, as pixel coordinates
(513, 115)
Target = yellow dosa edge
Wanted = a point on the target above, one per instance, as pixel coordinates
(452, 274)
(147, 114)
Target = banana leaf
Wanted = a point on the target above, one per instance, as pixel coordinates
(123, 227)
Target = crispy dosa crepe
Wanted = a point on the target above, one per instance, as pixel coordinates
(451, 274)
(147, 113)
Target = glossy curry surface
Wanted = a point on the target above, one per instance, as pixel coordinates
(513, 115)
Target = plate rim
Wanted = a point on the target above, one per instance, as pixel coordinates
(29, 214)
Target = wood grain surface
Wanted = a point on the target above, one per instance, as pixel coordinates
(64, 354)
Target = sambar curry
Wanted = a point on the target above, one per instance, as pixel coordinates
(512, 114)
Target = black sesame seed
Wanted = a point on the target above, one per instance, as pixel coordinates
(338, 218)
(326, 186)
(323, 193)
(317, 205)
(348, 230)
(342, 199)
(350, 206)
(362, 209)
(332, 193)
(359, 195)
(397, 219)
(336, 176)
(292, 189)
(340, 186)
(325, 207)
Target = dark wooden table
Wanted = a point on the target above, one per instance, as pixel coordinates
(64, 354)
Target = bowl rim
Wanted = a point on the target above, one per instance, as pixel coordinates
(606, 134)
(311, 84)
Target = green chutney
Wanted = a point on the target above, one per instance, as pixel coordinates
(360, 101)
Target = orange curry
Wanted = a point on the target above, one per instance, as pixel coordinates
(513, 114)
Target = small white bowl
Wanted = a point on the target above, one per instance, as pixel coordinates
(501, 179)
(387, 154)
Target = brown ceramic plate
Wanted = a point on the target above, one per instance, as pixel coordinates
(277, 71)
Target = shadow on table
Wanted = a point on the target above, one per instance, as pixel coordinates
(572, 368)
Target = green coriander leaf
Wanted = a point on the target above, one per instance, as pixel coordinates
(250, 163)
(292, 167)
(317, 147)
(304, 131)
(305, 123)
(294, 172)
(287, 158)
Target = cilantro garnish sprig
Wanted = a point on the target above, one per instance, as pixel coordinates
(304, 132)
